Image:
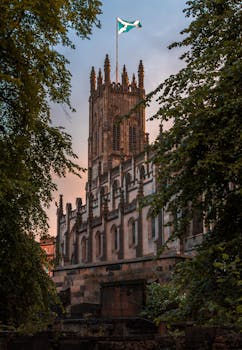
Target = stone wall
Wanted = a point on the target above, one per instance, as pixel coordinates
(85, 282)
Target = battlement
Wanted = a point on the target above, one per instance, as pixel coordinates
(102, 81)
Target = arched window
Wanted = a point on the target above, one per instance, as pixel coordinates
(115, 187)
(98, 244)
(104, 190)
(84, 249)
(197, 222)
(132, 139)
(153, 229)
(128, 180)
(132, 232)
(115, 238)
(116, 137)
(142, 172)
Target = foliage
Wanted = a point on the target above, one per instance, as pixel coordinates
(163, 302)
(212, 282)
(205, 290)
(33, 73)
(201, 156)
(27, 295)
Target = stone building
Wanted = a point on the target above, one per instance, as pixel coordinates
(49, 246)
(106, 247)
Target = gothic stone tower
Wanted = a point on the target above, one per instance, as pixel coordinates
(109, 141)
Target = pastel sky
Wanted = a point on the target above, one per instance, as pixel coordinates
(162, 21)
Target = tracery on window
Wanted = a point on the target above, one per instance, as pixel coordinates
(132, 139)
(116, 137)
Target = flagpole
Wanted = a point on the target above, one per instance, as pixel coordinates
(116, 50)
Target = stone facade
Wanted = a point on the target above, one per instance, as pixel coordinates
(112, 238)
(49, 245)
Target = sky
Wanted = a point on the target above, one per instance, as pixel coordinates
(162, 21)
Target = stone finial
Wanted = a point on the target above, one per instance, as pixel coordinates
(60, 205)
(68, 208)
(93, 80)
(133, 84)
(99, 78)
(107, 70)
(78, 204)
(160, 132)
(125, 78)
(141, 75)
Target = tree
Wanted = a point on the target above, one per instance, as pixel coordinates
(200, 157)
(33, 73)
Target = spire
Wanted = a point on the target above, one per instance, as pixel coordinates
(93, 80)
(125, 78)
(107, 70)
(133, 84)
(141, 75)
(99, 78)
(160, 132)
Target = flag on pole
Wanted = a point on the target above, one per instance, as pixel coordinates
(125, 26)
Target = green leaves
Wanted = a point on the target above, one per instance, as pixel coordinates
(163, 302)
(33, 73)
(199, 158)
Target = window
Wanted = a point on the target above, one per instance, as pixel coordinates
(153, 230)
(98, 244)
(132, 138)
(197, 222)
(84, 249)
(116, 137)
(132, 232)
(128, 180)
(115, 190)
(115, 238)
(142, 172)
(115, 186)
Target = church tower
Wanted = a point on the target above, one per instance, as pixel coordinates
(111, 138)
